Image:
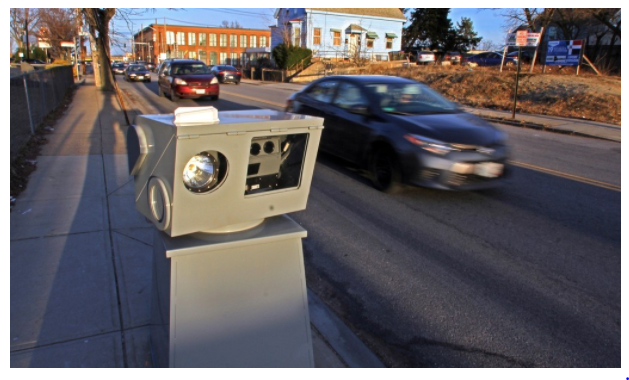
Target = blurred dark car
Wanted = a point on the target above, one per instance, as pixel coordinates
(402, 131)
(490, 59)
(527, 56)
(453, 57)
(226, 73)
(187, 78)
(119, 68)
(137, 72)
(150, 66)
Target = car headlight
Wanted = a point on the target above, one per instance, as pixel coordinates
(214, 81)
(180, 81)
(434, 146)
(204, 171)
(131, 75)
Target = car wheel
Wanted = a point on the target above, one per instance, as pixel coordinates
(160, 92)
(173, 96)
(385, 171)
(237, 82)
(214, 97)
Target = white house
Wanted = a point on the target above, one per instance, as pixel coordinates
(340, 32)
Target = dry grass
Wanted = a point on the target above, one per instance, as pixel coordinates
(586, 96)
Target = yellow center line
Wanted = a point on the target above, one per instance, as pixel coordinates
(573, 177)
(254, 99)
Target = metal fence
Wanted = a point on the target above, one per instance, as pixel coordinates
(33, 96)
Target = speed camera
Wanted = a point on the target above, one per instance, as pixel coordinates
(199, 170)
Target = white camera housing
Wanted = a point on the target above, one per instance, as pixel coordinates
(243, 185)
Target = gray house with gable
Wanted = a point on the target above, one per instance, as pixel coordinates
(340, 33)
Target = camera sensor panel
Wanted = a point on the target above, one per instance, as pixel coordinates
(275, 163)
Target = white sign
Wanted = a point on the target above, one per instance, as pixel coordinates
(520, 37)
(532, 39)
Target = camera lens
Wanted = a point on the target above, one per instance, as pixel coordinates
(269, 147)
(255, 149)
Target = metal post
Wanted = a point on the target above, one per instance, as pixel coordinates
(517, 80)
(28, 105)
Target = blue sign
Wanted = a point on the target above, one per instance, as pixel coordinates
(564, 53)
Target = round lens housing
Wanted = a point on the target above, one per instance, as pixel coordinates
(255, 149)
(204, 171)
(269, 147)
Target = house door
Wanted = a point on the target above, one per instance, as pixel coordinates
(353, 44)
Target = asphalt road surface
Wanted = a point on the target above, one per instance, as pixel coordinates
(526, 275)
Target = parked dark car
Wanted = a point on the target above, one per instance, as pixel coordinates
(527, 56)
(226, 73)
(137, 72)
(453, 57)
(402, 131)
(187, 78)
(490, 59)
(119, 68)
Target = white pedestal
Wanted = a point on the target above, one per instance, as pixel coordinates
(231, 300)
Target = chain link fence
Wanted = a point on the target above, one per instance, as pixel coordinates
(33, 96)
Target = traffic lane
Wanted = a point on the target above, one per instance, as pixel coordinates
(432, 278)
(544, 150)
(146, 96)
(587, 157)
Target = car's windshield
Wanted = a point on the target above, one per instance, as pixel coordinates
(190, 69)
(137, 68)
(410, 98)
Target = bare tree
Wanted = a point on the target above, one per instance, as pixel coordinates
(56, 25)
(22, 23)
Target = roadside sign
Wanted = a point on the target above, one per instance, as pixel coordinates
(532, 39)
(520, 37)
(564, 53)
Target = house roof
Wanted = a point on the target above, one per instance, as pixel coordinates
(395, 13)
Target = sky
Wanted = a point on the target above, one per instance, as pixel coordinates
(487, 22)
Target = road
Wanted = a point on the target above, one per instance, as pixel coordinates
(526, 275)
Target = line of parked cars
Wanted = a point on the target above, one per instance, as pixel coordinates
(426, 57)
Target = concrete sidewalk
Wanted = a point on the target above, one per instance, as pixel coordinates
(81, 255)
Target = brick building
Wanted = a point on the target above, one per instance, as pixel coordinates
(212, 45)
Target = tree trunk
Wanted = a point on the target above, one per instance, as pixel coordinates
(98, 22)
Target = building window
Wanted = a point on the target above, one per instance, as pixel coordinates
(223, 60)
(317, 36)
(243, 41)
(389, 43)
(212, 39)
(202, 39)
(297, 36)
(180, 54)
(336, 38)
(233, 40)
(263, 41)
(181, 38)
(253, 41)
(223, 40)
(234, 59)
(192, 39)
(202, 55)
(192, 55)
(170, 38)
(370, 43)
(213, 60)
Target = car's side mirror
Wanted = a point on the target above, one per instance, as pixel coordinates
(360, 109)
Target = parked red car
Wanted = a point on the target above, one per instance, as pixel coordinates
(187, 78)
